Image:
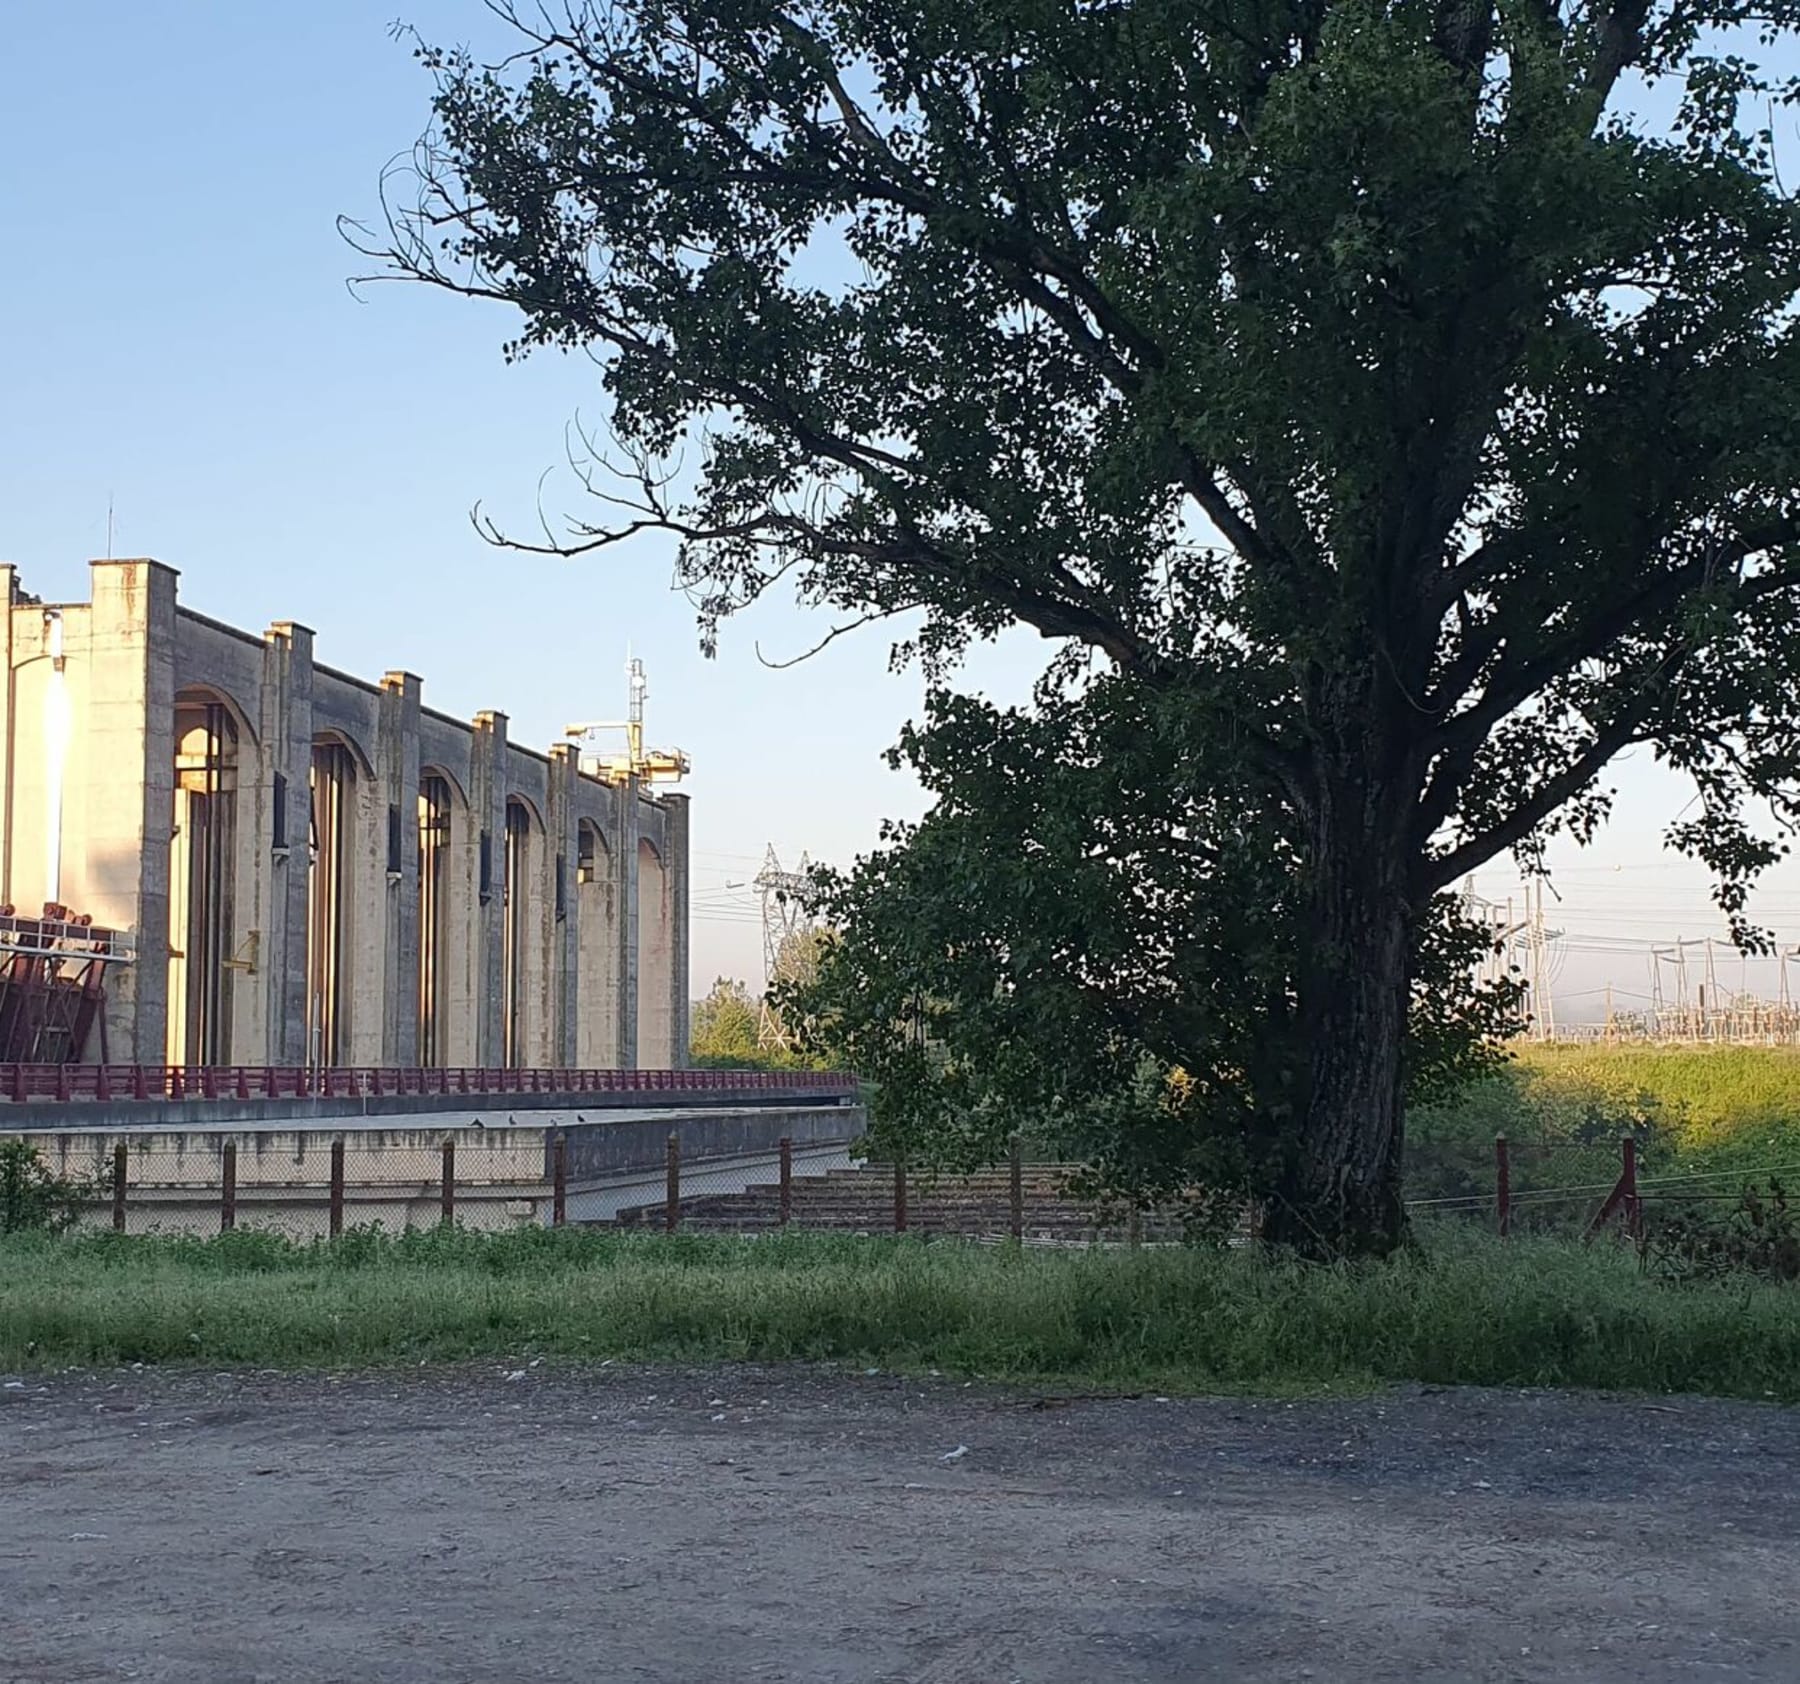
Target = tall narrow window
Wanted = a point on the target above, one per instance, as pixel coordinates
(328, 878)
(515, 890)
(596, 951)
(434, 852)
(202, 860)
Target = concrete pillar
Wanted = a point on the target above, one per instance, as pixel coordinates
(563, 901)
(129, 801)
(287, 734)
(675, 867)
(397, 774)
(487, 805)
(625, 877)
(9, 590)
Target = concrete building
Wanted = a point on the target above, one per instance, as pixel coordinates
(314, 869)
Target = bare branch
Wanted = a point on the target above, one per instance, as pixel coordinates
(874, 617)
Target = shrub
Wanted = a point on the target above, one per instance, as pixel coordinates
(32, 1198)
(1694, 1239)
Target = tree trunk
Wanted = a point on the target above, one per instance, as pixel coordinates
(1338, 1190)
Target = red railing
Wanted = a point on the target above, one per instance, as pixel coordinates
(107, 1082)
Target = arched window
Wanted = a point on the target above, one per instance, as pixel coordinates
(520, 892)
(656, 959)
(597, 950)
(202, 873)
(434, 915)
(329, 898)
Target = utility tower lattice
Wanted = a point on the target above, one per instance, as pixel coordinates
(1520, 946)
(784, 917)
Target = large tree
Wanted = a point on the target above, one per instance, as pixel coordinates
(1093, 938)
(1352, 387)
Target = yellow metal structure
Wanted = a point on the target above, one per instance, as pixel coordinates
(647, 766)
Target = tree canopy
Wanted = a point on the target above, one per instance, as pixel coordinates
(724, 1028)
(1386, 428)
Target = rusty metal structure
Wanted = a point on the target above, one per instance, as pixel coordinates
(53, 971)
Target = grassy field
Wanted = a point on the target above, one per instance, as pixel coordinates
(1707, 1100)
(1719, 1110)
(1463, 1310)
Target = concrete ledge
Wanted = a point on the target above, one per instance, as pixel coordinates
(403, 1151)
(118, 1116)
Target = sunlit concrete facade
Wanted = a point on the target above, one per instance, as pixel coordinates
(317, 869)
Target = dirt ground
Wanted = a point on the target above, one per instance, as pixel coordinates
(694, 1526)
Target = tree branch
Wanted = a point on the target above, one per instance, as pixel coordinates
(1432, 874)
(1619, 36)
(1518, 681)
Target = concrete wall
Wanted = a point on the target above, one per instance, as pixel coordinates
(132, 651)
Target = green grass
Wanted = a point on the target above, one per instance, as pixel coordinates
(1717, 1111)
(1462, 1310)
(1728, 1105)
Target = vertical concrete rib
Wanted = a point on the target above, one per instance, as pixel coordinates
(626, 880)
(675, 864)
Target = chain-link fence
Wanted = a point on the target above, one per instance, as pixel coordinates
(1034, 1203)
(518, 1167)
(301, 1184)
(314, 1184)
(714, 1176)
(1526, 1186)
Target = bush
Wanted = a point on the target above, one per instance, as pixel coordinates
(32, 1198)
(1694, 1239)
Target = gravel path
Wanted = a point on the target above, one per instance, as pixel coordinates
(695, 1526)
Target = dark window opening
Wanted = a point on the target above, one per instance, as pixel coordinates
(332, 791)
(434, 852)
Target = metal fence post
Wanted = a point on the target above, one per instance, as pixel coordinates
(672, 1192)
(1134, 1226)
(559, 1180)
(787, 1179)
(1015, 1164)
(120, 1167)
(1634, 1208)
(899, 1195)
(1502, 1186)
(447, 1189)
(228, 1187)
(337, 1188)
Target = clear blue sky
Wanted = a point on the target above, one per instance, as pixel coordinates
(176, 336)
